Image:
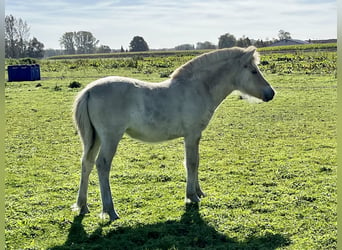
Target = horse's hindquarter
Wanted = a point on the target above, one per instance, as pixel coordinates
(109, 102)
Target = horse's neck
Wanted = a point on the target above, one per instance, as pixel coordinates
(215, 80)
(219, 86)
(219, 95)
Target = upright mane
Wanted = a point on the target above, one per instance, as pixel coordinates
(205, 61)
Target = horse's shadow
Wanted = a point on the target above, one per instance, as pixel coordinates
(190, 232)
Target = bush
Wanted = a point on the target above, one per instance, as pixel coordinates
(75, 84)
(28, 60)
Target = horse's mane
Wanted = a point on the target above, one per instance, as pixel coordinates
(203, 62)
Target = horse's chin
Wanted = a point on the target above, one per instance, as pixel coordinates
(266, 96)
(250, 99)
(266, 99)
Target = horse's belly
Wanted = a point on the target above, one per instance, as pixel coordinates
(154, 133)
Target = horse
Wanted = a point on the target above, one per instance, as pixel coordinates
(180, 106)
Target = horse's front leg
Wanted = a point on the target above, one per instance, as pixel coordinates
(193, 189)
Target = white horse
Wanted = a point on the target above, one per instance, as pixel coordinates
(181, 106)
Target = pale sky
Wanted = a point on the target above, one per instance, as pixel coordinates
(166, 24)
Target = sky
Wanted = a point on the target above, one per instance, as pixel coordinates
(166, 24)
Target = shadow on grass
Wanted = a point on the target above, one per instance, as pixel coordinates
(191, 232)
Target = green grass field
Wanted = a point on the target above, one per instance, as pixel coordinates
(269, 169)
(281, 49)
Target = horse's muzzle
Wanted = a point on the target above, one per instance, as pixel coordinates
(268, 94)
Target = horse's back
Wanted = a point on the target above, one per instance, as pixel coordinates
(147, 111)
(136, 106)
(112, 85)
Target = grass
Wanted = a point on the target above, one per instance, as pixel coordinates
(301, 47)
(305, 47)
(130, 54)
(269, 171)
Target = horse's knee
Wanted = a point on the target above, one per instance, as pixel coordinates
(101, 161)
(103, 164)
(87, 162)
(87, 166)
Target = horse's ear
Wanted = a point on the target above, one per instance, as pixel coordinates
(248, 55)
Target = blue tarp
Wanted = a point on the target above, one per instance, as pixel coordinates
(17, 73)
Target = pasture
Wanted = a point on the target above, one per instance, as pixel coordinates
(269, 169)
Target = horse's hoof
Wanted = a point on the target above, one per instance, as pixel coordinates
(116, 217)
(82, 210)
(201, 194)
(112, 216)
(192, 198)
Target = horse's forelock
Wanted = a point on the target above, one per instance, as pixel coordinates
(256, 56)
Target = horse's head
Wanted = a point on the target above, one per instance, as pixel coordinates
(249, 79)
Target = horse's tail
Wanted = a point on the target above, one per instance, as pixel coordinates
(82, 120)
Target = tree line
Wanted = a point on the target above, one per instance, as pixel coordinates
(228, 40)
(80, 42)
(83, 42)
(18, 44)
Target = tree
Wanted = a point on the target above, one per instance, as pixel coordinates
(243, 42)
(185, 47)
(284, 35)
(10, 36)
(23, 33)
(68, 43)
(205, 45)
(260, 43)
(85, 42)
(35, 48)
(138, 44)
(104, 49)
(81, 42)
(226, 41)
(16, 34)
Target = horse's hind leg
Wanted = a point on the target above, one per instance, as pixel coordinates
(103, 164)
(88, 161)
(193, 189)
